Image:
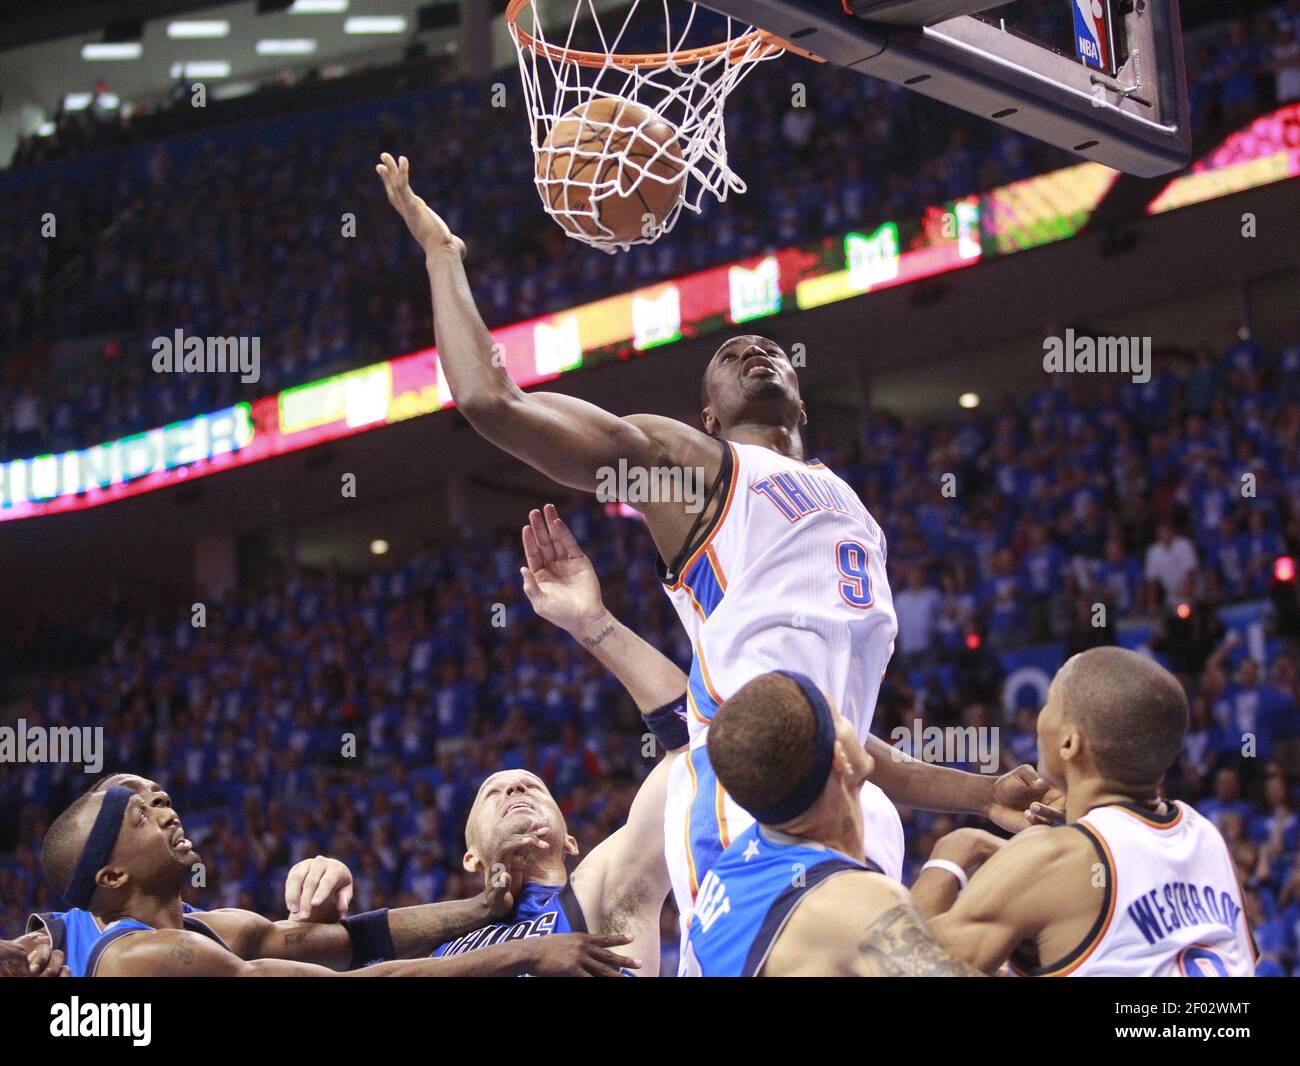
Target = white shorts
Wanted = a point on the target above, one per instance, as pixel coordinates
(700, 820)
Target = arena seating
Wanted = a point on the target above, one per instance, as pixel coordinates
(141, 252)
(244, 721)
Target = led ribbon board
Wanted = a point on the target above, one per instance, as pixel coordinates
(1024, 214)
(1266, 151)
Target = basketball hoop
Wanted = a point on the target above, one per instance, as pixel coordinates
(678, 87)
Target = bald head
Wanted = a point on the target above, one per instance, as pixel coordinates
(514, 809)
(1131, 709)
(761, 742)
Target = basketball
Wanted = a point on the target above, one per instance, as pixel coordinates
(607, 165)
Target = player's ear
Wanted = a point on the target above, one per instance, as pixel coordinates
(803, 413)
(1072, 744)
(471, 862)
(111, 877)
(840, 762)
(570, 845)
(708, 421)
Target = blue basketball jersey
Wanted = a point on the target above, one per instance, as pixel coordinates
(748, 896)
(83, 942)
(541, 910)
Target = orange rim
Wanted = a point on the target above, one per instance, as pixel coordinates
(770, 45)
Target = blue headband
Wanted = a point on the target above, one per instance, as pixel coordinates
(807, 791)
(98, 847)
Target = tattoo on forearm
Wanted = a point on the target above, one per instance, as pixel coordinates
(899, 945)
(591, 642)
(298, 937)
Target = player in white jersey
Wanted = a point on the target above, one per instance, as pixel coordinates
(773, 561)
(1134, 885)
(789, 573)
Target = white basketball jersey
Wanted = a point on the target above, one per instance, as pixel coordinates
(1174, 908)
(790, 577)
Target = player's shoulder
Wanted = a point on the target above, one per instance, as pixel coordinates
(158, 952)
(839, 912)
(658, 426)
(676, 438)
(849, 897)
(645, 420)
(1036, 876)
(1045, 850)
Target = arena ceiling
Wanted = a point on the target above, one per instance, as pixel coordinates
(41, 58)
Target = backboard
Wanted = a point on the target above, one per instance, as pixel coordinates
(1110, 87)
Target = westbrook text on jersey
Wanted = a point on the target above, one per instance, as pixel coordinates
(1162, 911)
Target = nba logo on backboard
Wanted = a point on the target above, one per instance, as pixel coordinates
(1093, 40)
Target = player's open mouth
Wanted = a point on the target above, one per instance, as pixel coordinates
(756, 364)
(180, 842)
(520, 806)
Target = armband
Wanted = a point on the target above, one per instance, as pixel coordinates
(372, 941)
(668, 724)
(948, 867)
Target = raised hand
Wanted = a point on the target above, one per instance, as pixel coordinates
(1022, 798)
(318, 890)
(559, 580)
(507, 875)
(423, 222)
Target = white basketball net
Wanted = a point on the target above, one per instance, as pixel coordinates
(686, 91)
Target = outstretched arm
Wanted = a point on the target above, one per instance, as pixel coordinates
(179, 953)
(562, 586)
(398, 933)
(623, 883)
(1036, 879)
(1014, 801)
(937, 887)
(565, 438)
(414, 931)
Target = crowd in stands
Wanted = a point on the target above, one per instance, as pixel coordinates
(355, 716)
(279, 231)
